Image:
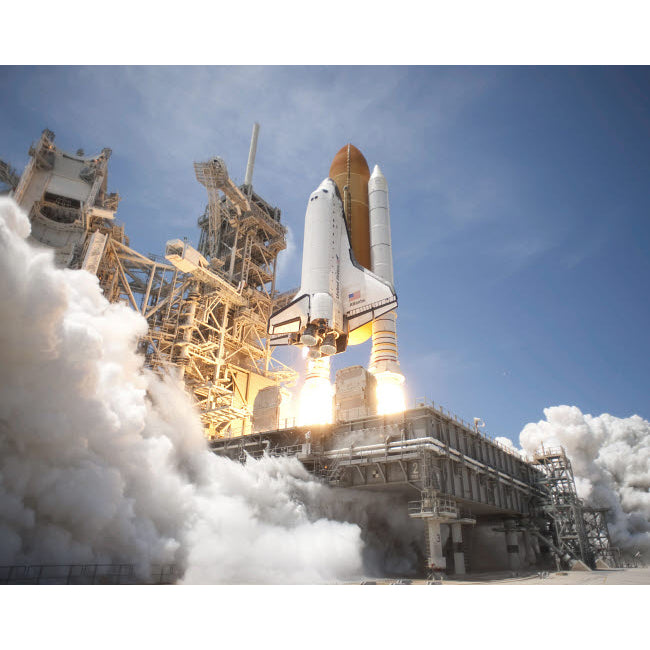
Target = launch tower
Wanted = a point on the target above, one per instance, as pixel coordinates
(206, 308)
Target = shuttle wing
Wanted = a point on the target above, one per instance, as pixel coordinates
(281, 339)
(292, 318)
(365, 296)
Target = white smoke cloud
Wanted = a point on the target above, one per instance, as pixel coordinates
(610, 458)
(103, 462)
(510, 446)
(286, 262)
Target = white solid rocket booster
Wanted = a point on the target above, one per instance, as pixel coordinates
(383, 358)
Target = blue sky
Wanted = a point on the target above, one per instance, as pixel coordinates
(519, 203)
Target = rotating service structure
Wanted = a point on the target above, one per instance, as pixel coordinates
(206, 307)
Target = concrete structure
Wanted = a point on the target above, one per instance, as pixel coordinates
(270, 408)
(66, 198)
(355, 394)
(482, 507)
(459, 483)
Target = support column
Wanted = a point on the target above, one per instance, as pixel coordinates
(531, 557)
(459, 555)
(436, 556)
(186, 328)
(536, 549)
(514, 561)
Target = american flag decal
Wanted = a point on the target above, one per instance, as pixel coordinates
(354, 296)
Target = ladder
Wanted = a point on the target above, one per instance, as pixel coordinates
(246, 260)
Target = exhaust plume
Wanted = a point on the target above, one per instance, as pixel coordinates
(102, 461)
(316, 395)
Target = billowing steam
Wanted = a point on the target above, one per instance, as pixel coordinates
(103, 462)
(610, 457)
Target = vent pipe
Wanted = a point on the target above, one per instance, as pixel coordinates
(251, 156)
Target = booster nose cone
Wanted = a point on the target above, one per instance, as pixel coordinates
(378, 180)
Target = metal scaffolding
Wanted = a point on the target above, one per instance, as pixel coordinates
(578, 531)
(9, 177)
(598, 538)
(206, 309)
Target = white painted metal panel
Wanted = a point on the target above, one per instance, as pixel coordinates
(67, 166)
(71, 189)
(94, 252)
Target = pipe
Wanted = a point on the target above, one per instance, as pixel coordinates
(251, 156)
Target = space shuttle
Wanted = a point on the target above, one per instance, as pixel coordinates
(337, 295)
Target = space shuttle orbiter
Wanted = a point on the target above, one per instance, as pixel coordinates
(337, 295)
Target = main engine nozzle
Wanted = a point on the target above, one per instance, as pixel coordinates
(310, 336)
(329, 345)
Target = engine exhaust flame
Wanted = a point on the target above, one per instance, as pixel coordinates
(390, 393)
(317, 393)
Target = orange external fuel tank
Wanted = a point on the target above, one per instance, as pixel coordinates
(350, 172)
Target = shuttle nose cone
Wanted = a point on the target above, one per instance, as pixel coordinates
(328, 186)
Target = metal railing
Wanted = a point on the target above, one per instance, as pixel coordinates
(423, 402)
(544, 452)
(84, 574)
(289, 450)
(433, 507)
